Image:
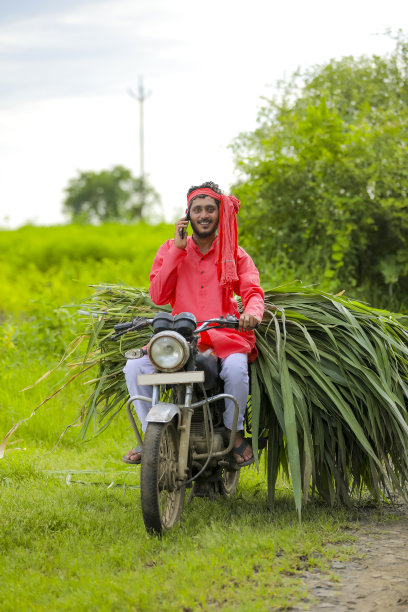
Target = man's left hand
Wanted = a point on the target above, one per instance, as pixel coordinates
(247, 322)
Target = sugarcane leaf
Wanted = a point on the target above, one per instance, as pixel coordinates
(256, 410)
(291, 433)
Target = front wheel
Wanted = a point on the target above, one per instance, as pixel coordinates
(162, 500)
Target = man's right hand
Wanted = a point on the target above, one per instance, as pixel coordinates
(180, 242)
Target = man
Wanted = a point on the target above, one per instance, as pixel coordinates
(200, 274)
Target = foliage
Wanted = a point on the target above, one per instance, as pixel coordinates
(330, 387)
(325, 181)
(331, 383)
(109, 195)
(42, 268)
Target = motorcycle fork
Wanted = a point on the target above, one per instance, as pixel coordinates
(184, 428)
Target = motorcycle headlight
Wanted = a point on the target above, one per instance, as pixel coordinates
(168, 351)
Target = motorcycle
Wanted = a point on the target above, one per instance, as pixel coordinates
(185, 444)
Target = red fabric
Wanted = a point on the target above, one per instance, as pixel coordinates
(203, 191)
(228, 236)
(187, 280)
(227, 233)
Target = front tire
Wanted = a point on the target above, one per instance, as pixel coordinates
(162, 500)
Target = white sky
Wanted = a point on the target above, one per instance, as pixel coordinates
(66, 67)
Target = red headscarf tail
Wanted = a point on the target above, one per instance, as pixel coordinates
(227, 236)
(228, 240)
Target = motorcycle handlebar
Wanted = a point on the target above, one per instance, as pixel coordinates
(229, 322)
(121, 326)
(137, 323)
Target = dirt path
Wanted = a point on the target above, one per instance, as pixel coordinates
(376, 581)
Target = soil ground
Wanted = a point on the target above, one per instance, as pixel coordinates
(375, 579)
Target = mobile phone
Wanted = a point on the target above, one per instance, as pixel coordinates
(183, 231)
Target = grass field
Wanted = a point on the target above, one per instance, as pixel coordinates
(71, 532)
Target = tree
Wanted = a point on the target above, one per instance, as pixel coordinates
(326, 178)
(109, 195)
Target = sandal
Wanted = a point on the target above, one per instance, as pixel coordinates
(239, 450)
(137, 449)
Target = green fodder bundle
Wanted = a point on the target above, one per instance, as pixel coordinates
(329, 388)
(330, 385)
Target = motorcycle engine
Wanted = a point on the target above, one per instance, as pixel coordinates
(197, 435)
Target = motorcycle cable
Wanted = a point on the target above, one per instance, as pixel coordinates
(207, 408)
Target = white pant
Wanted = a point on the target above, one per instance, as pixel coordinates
(234, 373)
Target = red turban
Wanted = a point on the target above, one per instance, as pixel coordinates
(227, 235)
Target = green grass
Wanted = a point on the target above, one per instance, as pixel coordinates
(83, 546)
(55, 265)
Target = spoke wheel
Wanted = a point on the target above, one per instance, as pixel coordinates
(229, 482)
(162, 501)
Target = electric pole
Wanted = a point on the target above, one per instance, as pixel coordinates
(141, 97)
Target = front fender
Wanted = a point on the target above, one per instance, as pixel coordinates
(162, 413)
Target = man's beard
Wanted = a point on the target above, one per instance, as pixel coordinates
(203, 233)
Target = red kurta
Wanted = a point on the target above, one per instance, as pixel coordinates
(188, 280)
